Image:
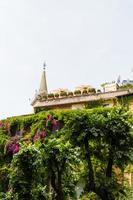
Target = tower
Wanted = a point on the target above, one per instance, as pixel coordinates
(42, 93)
(43, 84)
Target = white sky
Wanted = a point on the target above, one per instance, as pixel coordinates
(82, 41)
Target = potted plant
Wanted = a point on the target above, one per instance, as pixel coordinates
(56, 95)
(70, 94)
(77, 92)
(98, 91)
(50, 96)
(92, 90)
(84, 92)
(63, 94)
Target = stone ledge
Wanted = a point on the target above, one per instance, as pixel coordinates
(82, 99)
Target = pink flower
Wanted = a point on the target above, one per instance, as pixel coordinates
(40, 135)
(16, 148)
(12, 147)
(43, 134)
(52, 124)
(56, 124)
(50, 117)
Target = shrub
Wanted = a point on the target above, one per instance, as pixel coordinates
(14, 126)
(98, 91)
(70, 93)
(71, 146)
(63, 94)
(25, 172)
(84, 92)
(77, 92)
(51, 95)
(126, 86)
(91, 90)
(56, 95)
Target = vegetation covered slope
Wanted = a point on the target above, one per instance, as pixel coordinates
(62, 155)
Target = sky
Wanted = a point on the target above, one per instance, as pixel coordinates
(82, 42)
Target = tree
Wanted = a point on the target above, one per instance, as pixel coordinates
(4, 164)
(64, 150)
(105, 140)
(61, 163)
(25, 174)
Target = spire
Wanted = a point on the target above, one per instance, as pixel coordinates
(43, 83)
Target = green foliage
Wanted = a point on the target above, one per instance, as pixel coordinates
(106, 142)
(91, 90)
(4, 170)
(95, 104)
(70, 93)
(126, 86)
(63, 94)
(77, 92)
(14, 126)
(25, 172)
(56, 95)
(89, 147)
(4, 179)
(125, 101)
(59, 160)
(85, 92)
(51, 95)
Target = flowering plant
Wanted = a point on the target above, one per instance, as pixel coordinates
(12, 147)
(52, 124)
(40, 135)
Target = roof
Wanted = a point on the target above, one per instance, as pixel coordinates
(82, 99)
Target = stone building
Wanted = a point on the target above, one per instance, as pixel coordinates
(109, 87)
(83, 96)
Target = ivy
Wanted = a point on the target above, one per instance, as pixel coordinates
(50, 154)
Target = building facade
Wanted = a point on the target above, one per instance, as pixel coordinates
(82, 97)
